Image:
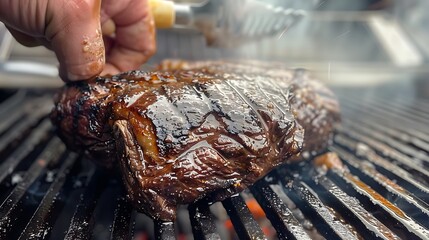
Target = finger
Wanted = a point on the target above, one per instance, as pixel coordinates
(108, 28)
(23, 38)
(135, 33)
(28, 40)
(108, 44)
(109, 69)
(73, 27)
(27, 16)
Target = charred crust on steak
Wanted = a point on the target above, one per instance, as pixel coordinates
(195, 130)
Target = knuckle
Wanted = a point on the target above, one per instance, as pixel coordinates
(78, 6)
(81, 9)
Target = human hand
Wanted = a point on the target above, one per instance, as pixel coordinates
(73, 30)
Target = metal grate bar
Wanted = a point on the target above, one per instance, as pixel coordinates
(398, 135)
(164, 230)
(10, 120)
(9, 207)
(203, 222)
(402, 109)
(401, 159)
(121, 223)
(12, 104)
(419, 104)
(81, 223)
(280, 216)
(388, 106)
(412, 205)
(400, 223)
(324, 219)
(17, 106)
(420, 156)
(355, 112)
(350, 209)
(42, 221)
(382, 194)
(402, 177)
(20, 130)
(417, 101)
(244, 223)
(388, 116)
(30, 144)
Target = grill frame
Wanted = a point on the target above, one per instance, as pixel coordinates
(385, 161)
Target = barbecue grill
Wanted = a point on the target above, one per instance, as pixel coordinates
(47, 192)
(50, 192)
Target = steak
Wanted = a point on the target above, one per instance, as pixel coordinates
(195, 130)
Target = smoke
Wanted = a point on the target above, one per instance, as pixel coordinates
(326, 34)
(335, 40)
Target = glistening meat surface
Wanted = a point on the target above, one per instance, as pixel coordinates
(201, 129)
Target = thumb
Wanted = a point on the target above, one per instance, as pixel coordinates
(73, 28)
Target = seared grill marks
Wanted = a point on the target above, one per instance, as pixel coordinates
(185, 134)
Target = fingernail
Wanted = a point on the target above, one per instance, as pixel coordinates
(108, 28)
(72, 77)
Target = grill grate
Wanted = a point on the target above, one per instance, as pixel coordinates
(48, 192)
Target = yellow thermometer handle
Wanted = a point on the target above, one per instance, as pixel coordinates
(163, 13)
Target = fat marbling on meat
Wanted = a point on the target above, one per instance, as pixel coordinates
(195, 130)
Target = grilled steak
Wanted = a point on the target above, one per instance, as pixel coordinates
(195, 130)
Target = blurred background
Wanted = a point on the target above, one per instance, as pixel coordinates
(344, 42)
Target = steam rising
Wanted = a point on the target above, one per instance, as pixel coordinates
(335, 40)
